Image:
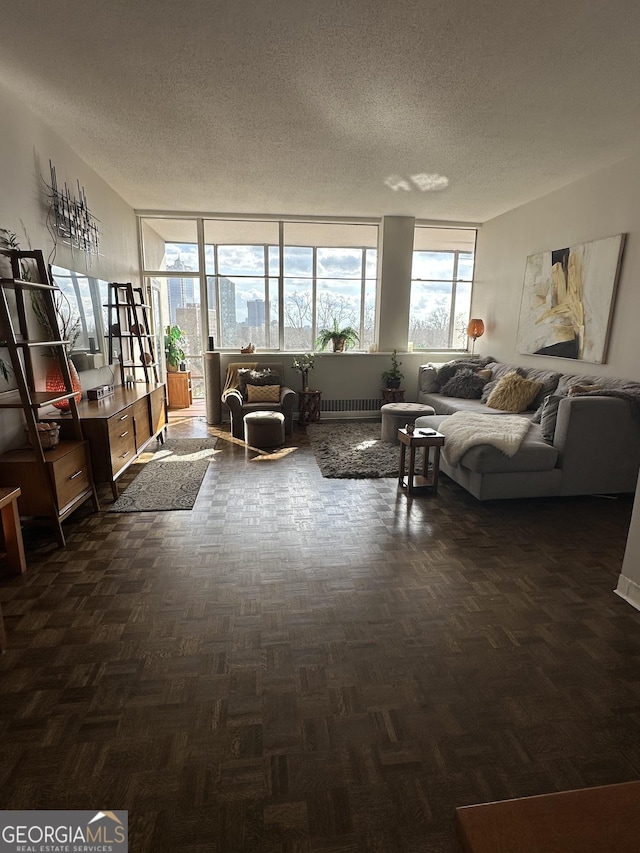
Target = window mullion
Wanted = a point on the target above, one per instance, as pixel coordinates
(452, 308)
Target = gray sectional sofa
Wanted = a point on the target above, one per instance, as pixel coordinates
(591, 445)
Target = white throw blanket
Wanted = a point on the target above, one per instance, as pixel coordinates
(463, 430)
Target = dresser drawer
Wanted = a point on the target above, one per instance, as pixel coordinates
(67, 468)
(71, 476)
(142, 423)
(122, 440)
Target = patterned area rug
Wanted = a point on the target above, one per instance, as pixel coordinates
(352, 450)
(171, 479)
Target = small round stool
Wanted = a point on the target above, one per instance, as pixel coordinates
(396, 415)
(264, 429)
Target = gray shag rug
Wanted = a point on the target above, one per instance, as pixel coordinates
(352, 450)
(171, 479)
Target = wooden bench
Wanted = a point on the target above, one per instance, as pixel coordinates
(589, 820)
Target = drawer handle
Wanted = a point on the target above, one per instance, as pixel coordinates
(124, 417)
(77, 474)
(122, 434)
(125, 454)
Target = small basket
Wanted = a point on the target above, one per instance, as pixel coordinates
(49, 435)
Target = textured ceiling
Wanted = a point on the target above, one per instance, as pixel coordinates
(332, 107)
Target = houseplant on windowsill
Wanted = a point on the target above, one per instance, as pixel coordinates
(393, 377)
(304, 363)
(174, 353)
(340, 338)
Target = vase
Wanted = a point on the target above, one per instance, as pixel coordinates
(55, 383)
(305, 380)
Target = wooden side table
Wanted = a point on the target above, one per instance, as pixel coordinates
(179, 393)
(392, 395)
(309, 403)
(409, 480)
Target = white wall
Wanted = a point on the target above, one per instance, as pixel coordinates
(26, 146)
(601, 205)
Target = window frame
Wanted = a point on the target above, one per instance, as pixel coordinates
(454, 281)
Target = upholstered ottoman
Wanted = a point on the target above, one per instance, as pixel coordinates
(396, 415)
(264, 429)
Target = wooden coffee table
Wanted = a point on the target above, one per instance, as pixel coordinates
(425, 481)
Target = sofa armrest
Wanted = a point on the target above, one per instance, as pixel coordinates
(598, 442)
(287, 394)
(233, 399)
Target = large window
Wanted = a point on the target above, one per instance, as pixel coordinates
(441, 280)
(328, 273)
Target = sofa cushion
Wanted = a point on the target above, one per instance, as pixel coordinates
(567, 380)
(513, 393)
(464, 383)
(428, 376)
(549, 380)
(534, 454)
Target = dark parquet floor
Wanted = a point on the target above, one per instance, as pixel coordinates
(302, 665)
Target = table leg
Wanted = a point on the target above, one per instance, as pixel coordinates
(13, 538)
(412, 467)
(403, 456)
(436, 468)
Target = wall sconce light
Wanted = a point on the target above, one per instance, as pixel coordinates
(475, 329)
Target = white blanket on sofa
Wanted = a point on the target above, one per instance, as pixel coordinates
(464, 430)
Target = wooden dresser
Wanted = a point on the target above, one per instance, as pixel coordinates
(120, 426)
(66, 471)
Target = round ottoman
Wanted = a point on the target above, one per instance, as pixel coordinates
(264, 429)
(396, 415)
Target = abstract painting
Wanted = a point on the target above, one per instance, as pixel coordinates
(567, 300)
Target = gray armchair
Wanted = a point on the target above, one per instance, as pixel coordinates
(235, 397)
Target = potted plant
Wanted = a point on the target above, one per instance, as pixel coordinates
(174, 353)
(304, 363)
(393, 377)
(340, 338)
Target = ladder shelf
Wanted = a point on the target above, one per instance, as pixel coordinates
(54, 480)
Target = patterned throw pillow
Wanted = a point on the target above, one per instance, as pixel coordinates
(464, 384)
(513, 393)
(263, 393)
(248, 376)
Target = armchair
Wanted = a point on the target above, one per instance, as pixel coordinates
(235, 396)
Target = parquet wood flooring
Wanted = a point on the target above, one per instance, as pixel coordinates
(303, 665)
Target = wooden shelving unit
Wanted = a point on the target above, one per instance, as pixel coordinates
(129, 333)
(53, 482)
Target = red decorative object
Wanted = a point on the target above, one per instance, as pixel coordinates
(475, 330)
(55, 383)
